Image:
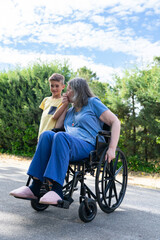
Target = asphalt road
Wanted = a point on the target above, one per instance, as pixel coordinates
(138, 217)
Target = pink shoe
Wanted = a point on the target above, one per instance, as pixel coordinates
(50, 197)
(23, 192)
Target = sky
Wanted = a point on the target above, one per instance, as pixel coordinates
(106, 36)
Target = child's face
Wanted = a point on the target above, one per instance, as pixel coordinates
(56, 88)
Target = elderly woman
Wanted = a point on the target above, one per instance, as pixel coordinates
(55, 150)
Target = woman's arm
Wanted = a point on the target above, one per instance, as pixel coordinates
(110, 119)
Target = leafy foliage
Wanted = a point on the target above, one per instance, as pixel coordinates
(22, 91)
(135, 99)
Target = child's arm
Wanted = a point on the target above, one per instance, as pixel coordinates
(60, 110)
(60, 121)
(60, 114)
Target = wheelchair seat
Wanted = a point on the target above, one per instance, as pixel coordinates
(110, 181)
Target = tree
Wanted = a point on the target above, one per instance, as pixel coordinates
(148, 95)
(136, 96)
(86, 73)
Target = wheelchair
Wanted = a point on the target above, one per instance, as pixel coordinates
(110, 181)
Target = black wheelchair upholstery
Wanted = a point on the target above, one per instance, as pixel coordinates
(110, 181)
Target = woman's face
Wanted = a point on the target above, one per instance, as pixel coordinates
(70, 93)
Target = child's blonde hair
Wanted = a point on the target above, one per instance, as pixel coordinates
(57, 77)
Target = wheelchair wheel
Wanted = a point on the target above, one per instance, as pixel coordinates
(37, 206)
(35, 203)
(111, 181)
(87, 213)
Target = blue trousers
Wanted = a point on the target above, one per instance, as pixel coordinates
(53, 154)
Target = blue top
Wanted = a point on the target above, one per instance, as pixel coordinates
(85, 124)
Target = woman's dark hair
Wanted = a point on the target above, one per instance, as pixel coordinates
(81, 91)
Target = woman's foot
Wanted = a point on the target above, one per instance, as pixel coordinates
(50, 197)
(23, 192)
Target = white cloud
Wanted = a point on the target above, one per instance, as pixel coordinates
(123, 8)
(34, 19)
(20, 17)
(23, 59)
(71, 24)
(83, 35)
(104, 21)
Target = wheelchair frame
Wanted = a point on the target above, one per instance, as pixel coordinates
(110, 182)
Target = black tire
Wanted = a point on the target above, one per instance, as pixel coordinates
(37, 206)
(111, 181)
(35, 203)
(85, 214)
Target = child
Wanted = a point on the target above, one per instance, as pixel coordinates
(50, 104)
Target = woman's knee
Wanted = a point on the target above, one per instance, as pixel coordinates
(61, 137)
(46, 135)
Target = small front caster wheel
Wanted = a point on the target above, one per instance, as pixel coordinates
(87, 210)
(35, 203)
(37, 206)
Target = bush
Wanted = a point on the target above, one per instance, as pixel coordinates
(22, 91)
(136, 164)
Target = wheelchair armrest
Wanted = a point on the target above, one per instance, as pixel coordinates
(58, 130)
(105, 133)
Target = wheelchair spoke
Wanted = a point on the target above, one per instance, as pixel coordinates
(116, 162)
(110, 195)
(118, 170)
(118, 182)
(107, 170)
(111, 182)
(108, 186)
(105, 179)
(115, 191)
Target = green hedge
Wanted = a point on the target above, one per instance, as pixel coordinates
(21, 92)
(135, 98)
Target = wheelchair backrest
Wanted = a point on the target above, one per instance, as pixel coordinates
(102, 139)
(106, 127)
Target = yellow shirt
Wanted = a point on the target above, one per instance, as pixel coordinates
(49, 105)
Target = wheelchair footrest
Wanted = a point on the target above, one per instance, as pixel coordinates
(64, 203)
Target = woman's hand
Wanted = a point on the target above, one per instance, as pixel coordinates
(110, 154)
(65, 99)
(110, 119)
